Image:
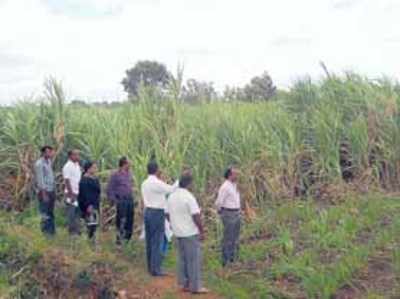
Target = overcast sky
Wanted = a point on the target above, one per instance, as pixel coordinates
(88, 44)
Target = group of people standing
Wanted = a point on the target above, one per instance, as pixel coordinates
(163, 203)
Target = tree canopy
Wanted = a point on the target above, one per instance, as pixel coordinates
(149, 74)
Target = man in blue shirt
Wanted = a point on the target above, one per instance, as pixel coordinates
(45, 186)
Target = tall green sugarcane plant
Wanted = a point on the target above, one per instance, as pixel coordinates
(26, 127)
(317, 139)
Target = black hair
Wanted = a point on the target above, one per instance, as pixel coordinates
(87, 165)
(71, 152)
(228, 172)
(123, 161)
(44, 148)
(152, 167)
(185, 180)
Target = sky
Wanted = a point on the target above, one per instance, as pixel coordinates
(89, 44)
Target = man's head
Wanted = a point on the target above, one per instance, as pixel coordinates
(185, 180)
(152, 168)
(231, 174)
(74, 155)
(186, 170)
(47, 152)
(124, 163)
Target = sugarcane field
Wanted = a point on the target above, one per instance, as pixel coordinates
(123, 177)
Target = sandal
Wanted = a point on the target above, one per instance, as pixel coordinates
(201, 291)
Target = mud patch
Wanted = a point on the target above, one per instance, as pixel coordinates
(378, 276)
(160, 288)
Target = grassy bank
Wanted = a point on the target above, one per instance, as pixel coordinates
(291, 250)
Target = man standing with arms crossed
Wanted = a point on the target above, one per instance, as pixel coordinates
(45, 185)
(228, 206)
(72, 175)
(154, 192)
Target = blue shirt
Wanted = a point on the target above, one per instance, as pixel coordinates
(44, 175)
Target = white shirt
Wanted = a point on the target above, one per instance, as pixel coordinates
(228, 196)
(182, 205)
(154, 192)
(72, 172)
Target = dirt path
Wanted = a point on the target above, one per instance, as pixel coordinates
(163, 287)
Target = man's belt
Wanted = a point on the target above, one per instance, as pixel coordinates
(231, 210)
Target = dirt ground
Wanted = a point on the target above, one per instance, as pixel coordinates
(163, 287)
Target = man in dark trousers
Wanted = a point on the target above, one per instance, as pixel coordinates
(45, 185)
(72, 174)
(228, 206)
(154, 192)
(120, 192)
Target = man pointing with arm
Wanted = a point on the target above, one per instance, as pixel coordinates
(154, 192)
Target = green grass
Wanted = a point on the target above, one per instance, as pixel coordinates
(293, 258)
(292, 250)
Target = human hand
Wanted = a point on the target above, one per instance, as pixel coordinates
(74, 197)
(202, 237)
(43, 196)
(89, 209)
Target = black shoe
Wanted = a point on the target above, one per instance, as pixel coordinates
(161, 274)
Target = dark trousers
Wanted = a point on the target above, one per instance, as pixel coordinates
(189, 263)
(46, 209)
(154, 224)
(92, 222)
(125, 218)
(91, 231)
(230, 241)
(73, 218)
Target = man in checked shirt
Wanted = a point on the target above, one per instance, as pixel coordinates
(228, 206)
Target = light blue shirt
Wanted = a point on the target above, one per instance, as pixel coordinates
(44, 175)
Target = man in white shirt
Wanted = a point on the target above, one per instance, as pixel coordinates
(228, 206)
(154, 192)
(184, 216)
(72, 175)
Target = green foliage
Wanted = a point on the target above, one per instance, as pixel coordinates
(281, 146)
(293, 249)
(148, 74)
(196, 92)
(260, 88)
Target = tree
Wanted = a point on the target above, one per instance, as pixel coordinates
(260, 88)
(149, 74)
(79, 103)
(233, 94)
(198, 91)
